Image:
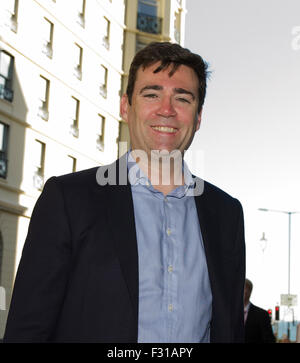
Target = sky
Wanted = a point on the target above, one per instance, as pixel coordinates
(250, 131)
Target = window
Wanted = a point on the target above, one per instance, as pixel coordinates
(105, 32)
(38, 157)
(148, 7)
(71, 164)
(103, 81)
(47, 37)
(6, 76)
(80, 11)
(100, 133)
(139, 45)
(78, 61)
(177, 27)
(12, 7)
(3, 149)
(74, 117)
(44, 87)
(147, 19)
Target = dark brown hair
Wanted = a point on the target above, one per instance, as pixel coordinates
(168, 54)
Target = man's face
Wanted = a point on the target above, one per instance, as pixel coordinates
(163, 113)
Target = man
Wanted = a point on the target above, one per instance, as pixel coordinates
(258, 327)
(149, 260)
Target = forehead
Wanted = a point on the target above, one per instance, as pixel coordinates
(184, 77)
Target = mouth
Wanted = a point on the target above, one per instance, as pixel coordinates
(165, 129)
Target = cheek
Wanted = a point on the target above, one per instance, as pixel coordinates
(189, 120)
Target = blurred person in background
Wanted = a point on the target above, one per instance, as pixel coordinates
(258, 327)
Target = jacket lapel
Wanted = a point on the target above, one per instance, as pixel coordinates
(121, 222)
(210, 229)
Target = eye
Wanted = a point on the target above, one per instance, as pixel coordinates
(184, 100)
(150, 95)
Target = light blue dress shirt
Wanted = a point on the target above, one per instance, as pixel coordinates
(174, 289)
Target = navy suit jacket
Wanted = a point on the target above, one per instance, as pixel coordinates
(258, 328)
(77, 280)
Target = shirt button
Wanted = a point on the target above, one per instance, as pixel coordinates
(168, 231)
(170, 269)
(170, 307)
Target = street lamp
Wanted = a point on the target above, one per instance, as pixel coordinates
(263, 242)
(289, 234)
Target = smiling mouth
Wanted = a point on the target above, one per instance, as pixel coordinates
(169, 130)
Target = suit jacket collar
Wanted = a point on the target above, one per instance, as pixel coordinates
(209, 225)
(120, 214)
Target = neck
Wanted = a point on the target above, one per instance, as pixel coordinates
(164, 170)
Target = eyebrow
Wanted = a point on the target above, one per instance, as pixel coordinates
(159, 88)
(151, 87)
(184, 91)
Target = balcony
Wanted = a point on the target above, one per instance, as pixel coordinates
(149, 23)
(6, 93)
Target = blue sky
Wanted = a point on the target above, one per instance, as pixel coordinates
(251, 126)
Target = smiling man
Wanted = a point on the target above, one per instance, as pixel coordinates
(148, 261)
(162, 114)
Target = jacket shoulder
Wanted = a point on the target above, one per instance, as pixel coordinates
(258, 310)
(216, 195)
(87, 176)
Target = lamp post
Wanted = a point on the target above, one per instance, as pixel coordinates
(289, 236)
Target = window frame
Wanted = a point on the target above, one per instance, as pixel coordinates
(4, 149)
(43, 110)
(6, 89)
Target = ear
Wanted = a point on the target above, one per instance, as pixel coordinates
(124, 107)
(198, 120)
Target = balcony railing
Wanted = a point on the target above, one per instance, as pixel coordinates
(6, 93)
(149, 23)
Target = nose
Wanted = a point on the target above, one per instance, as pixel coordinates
(166, 108)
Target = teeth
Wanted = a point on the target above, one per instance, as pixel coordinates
(164, 129)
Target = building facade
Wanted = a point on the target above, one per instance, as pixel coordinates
(63, 69)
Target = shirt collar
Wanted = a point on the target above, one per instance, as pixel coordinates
(246, 308)
(137, 177)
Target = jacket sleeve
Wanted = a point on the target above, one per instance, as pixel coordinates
(43, 270)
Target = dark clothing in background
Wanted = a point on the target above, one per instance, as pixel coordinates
(258, 327)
